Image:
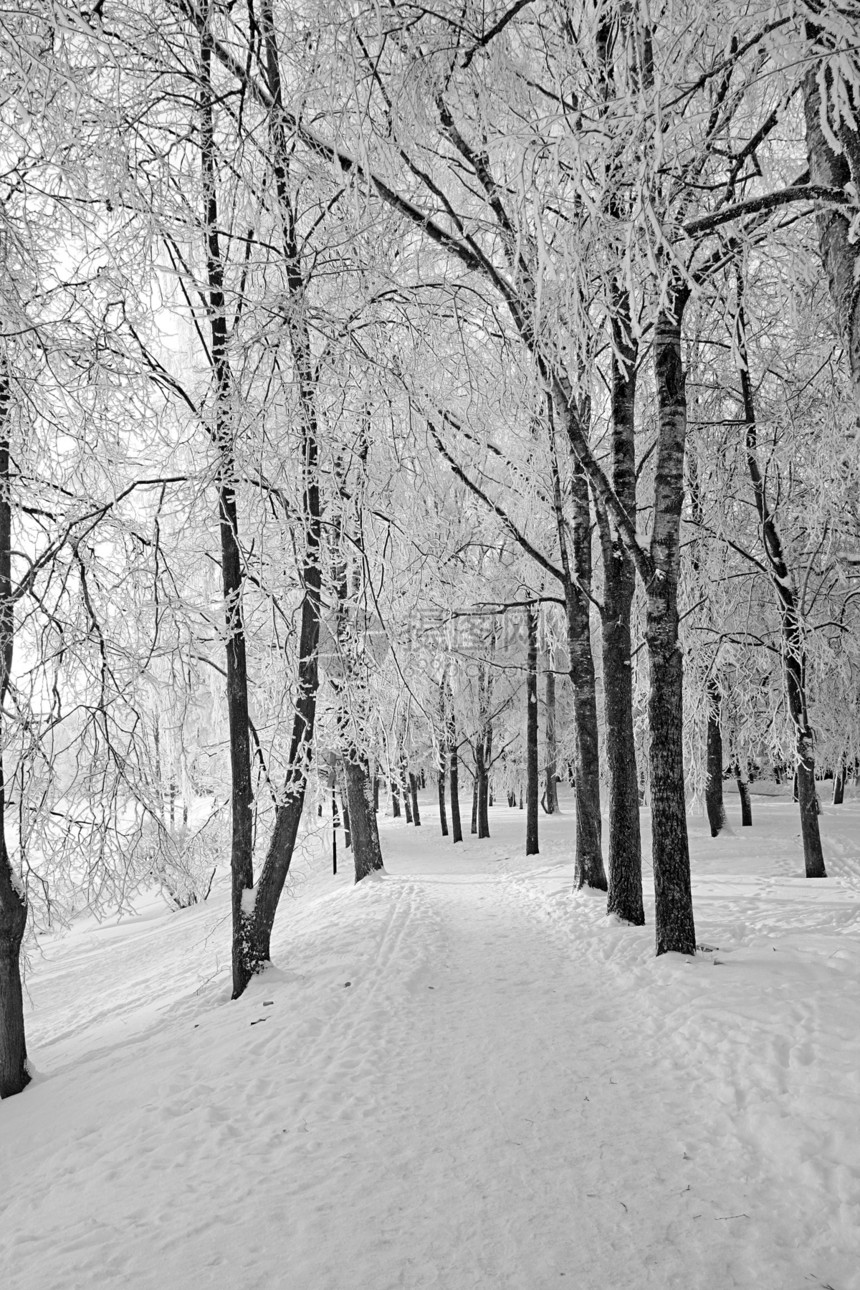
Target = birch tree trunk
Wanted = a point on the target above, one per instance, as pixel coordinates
(793, 648)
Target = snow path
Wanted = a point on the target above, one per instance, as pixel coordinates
(462, 1078)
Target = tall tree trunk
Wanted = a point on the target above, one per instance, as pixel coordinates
(440, 788)
(404, 789)
(793, 648)
(675, 926)
(839, 785)
(454, 786)
(551, 792)
(840, 251)
(413, 789)
(624, 898)
(589, 870)
(532, 788)
(335, 814)
(482, 785)
(259, 918)
(395, 798)
(14, 1075)
(223, 433)
(474, 824)
(714, 769)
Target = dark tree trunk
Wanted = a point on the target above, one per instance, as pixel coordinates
(532, 733)
(619, 576)
(395, 798)
(223, 434)
(14, 1075)
(482, 784)
(376, 794)
(793, 649)
(404, 791)
(413, 788)
(675, 926)
(589, 870)
(335, 817)
(366, 851)
(551, 793)
(743, 783)
(258, 923)
(454, 784)
(714, 769)
(839, 250)
(440, 785)
(839, 786)
(474, 824)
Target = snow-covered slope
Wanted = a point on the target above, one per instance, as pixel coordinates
(458, 1075)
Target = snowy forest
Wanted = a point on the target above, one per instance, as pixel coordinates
(410, 407)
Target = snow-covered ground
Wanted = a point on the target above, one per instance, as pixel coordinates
(458, 1075)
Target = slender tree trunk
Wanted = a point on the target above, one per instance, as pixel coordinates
(335, 816)
(589, 870)
(223, 433)
(482, 787)
(260, 918)
(743, 783)
(551, 744)
(675, 927)
(404, 790)
(474, 824)
(14, 1075)
(839, 786)
(793, 648)
(395, 798)
(454, 785)
(413, 789)
(714, 782)
(440, 788)
(344, 798)
(624, 898)
(532, 776)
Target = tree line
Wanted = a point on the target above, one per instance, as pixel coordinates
(336, 340)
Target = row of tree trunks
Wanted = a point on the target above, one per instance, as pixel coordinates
(14, 1075)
